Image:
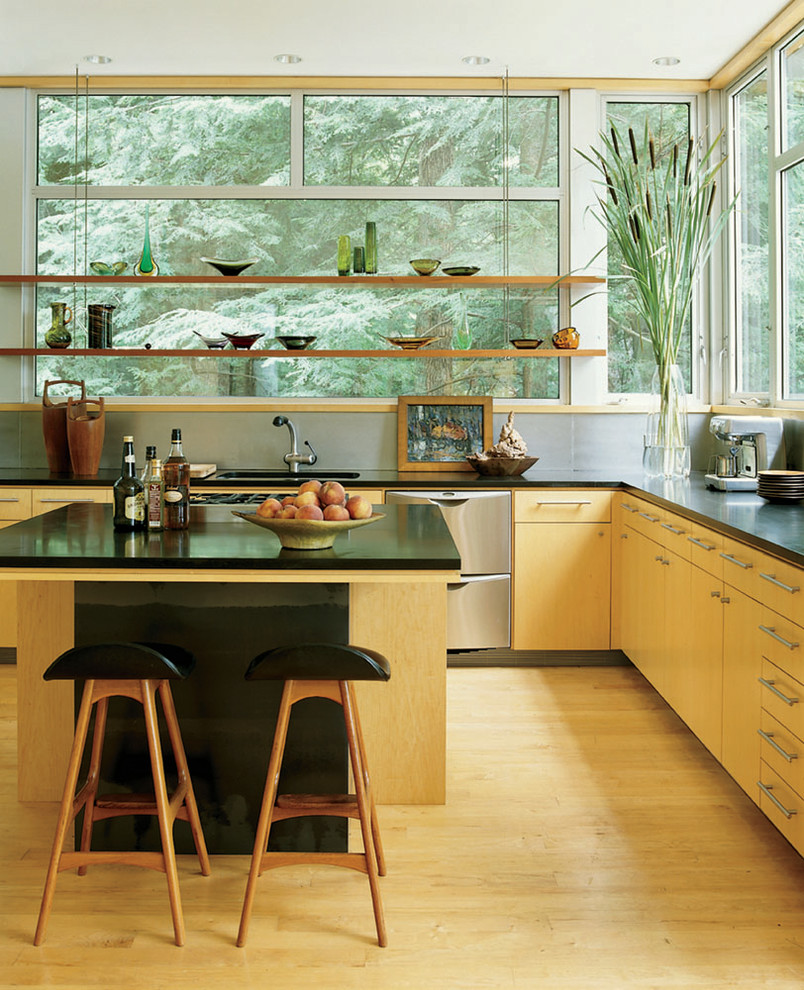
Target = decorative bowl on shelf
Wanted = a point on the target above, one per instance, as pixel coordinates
(230, 267)
(306, 534)
(424, 266)
(566, 339)
(101, 268)
(214, 343)
(411, 343)
(294, 342)
(461, 270)
(527, 343)
(242, 341)
(501, 467)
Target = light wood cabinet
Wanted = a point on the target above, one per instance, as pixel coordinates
(562, 570)
(45, 499)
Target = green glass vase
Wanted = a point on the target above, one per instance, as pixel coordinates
(371, 248)
(344, 255)
(58, 336)
(146, 265)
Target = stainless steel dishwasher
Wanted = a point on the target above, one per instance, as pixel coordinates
(479, 606)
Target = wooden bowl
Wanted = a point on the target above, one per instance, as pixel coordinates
(307, 534)
(501, 467)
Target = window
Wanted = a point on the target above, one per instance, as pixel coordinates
(217, 175)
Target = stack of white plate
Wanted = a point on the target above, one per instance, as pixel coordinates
(781, 486)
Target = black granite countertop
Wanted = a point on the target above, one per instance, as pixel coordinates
(82, 536)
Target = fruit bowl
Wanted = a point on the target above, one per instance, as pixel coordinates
(501, 467)
(306, 534)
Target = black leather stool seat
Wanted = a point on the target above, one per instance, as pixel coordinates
(122, 661)
(319, 661)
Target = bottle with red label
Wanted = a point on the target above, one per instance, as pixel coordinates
(176, 474)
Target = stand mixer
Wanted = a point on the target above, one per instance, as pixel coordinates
(755, 443)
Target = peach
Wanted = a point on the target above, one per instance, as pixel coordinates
(306, 498)
(358, 507)
(309, 512)
(311, 485)
(269, 508)
(332, 493)
(289, 500)
(337, 512)
(288, 512)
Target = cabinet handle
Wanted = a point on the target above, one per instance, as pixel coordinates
(725, 600)
(566, 502)
(768, 737)
(771, 686)
(67, 501)
(766, 790)
(663, 561)
(734, 560)
(701, 544)
(649, 517)
(714, 594)
(770, 631)
(672, 529)
(9, 500)
(628, 508)
(784, 587)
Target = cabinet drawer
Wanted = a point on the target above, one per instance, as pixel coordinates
(782, 750)
(553, 505)
(705, 546)
(782, 696)
(783, 806)
(45, 499)
(782, 642)
(15, 503)
(780, 586)
(674, 534)
(739, 566)
(642, 517)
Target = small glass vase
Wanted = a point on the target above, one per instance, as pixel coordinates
(370, 249)
(666, 452)
(344, 255)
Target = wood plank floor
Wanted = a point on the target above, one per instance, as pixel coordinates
(589, 841)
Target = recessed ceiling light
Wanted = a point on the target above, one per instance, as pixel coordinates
(666, 60)
(97, 59)
(475, 59)
(287, 59)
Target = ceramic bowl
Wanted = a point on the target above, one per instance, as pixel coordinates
(425, 266)
(295, 343)
(527, 343)
(230, 267)
(461, 270)
(307, 534)
(214, 343)
(242, 341)
(501, 467)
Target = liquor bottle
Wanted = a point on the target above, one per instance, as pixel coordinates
(129, 494)
(154, 497)
(176, 473)
(150, 454)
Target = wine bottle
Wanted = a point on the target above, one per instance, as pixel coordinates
(129, 494)
(150, 454)
(154, 497)
(176, 473)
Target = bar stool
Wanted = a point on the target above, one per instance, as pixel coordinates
(319, 670)
(132, 670)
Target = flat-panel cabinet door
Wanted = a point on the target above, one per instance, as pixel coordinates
(742, 667)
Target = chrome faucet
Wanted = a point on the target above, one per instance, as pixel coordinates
(293, 458)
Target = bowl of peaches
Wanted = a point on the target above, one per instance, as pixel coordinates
(313, 517)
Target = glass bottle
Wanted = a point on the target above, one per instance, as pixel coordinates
(155, 497)
(129, 494)
(176, 473)
(150, 456)
(370, 249)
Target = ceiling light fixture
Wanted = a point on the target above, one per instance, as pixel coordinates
(476, 60)
(666, 60)
(287, 59)
(97, 59)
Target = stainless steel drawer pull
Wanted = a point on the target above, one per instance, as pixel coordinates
(672, 529)
(734, 560)
(770, 631)
(701, 544)
(766, 790)
(566, 502)
(784, 587)
(649, 517)
(768, 737)
(771, 686)
(9, 500)
(628, 508)
(67, 501)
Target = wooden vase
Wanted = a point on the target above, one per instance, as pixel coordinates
(86, 425)
(54, 427)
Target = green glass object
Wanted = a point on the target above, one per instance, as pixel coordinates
(58, 336)
(344, 255)
(146, 265)
(371, 248)
(359, 265)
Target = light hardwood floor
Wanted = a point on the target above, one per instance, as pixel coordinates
(588, 841)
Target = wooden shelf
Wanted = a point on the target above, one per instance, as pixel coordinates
(423, 352)
(346, 281)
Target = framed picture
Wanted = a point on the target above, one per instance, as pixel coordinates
(435, 433)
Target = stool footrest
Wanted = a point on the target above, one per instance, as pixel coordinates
(273, 860)
(150, 860)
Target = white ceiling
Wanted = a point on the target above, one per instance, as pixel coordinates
(617, 38)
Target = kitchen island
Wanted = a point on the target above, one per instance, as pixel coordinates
(392, 575)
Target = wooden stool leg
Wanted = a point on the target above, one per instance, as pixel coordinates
(185, 784)
(163, 807)
(66, 810)
(93, 778)
(365, 811)
(375, 827)
(266, 809)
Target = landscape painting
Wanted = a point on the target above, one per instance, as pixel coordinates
(437, 433)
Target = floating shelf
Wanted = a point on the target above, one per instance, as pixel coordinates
(422, 352)
(345, 281)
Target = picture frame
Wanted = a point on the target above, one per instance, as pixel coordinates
(435, 433)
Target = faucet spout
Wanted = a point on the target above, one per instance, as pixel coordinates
(293, 458)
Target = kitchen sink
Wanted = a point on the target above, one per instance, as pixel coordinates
(258, 474)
